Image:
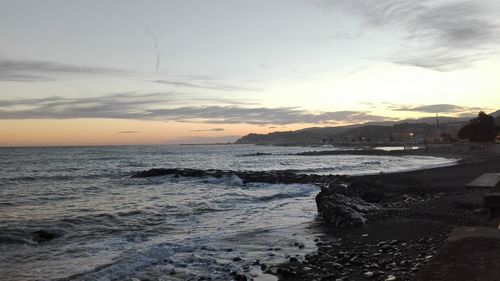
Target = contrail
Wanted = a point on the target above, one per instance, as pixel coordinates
(155, 42)
(157, 61)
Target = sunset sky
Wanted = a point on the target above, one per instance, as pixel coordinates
(84, 72)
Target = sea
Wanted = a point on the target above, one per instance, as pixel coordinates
(106, 225)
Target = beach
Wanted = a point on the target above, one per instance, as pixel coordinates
(422, 206)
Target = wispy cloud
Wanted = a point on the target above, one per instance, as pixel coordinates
(203, 140)
(262, 115)
(164, 106)
(204, 84)
(441, 35)
(40, 71)
(128, 132)
(18, 70)
(265, 66)
(435, 108)
(209, 130)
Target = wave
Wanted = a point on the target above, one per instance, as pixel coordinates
(371, 163)
(130, 263)
(281, 196)
(59, 177)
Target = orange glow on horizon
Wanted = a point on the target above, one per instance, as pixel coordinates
(48, 132)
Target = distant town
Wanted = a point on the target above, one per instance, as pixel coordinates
(436, 130)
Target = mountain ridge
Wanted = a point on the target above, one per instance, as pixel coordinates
(407, 130)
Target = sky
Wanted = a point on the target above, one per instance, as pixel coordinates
(102, 72)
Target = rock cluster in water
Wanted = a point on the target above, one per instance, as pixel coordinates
(286, 177)
(341, 203)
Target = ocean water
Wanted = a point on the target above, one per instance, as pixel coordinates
(109, 226)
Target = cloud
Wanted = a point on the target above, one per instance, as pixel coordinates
(18, 70)
(107, 105)
(165, 107)
(128, 132)
(204, 84)
(438, 34)
(209, 130)
(261, 115)
(40, 71)
(203, 140)
(434, 108)
(265, 66)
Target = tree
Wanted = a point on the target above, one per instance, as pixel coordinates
(480, 129)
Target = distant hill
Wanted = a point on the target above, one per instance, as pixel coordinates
(405, 130)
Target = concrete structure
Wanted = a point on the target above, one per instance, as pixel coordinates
(469, 254)
(490, 180)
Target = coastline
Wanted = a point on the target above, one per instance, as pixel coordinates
(422, 208)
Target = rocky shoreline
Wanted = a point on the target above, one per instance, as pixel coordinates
(377, 227)
(411, 226)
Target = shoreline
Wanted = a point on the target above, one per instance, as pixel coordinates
(420, 208)
(423, 206)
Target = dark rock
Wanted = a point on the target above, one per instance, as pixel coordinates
(155, 173)
(341, 211)
(240, 277)
(286, 272)
(248, 176)
(367, 190)
(43, 236)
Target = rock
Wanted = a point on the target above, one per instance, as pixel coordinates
(284, 272)
(369, 191)
(237, 259)
(341, 211)
(337, 265)
(240, 277)
(386, 247)
(155, 173)
(43, 236)
(368, 274)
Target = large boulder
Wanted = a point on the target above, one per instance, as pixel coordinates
(369, 191)
(339, 210)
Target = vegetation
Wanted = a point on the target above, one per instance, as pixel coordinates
(480, 129)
